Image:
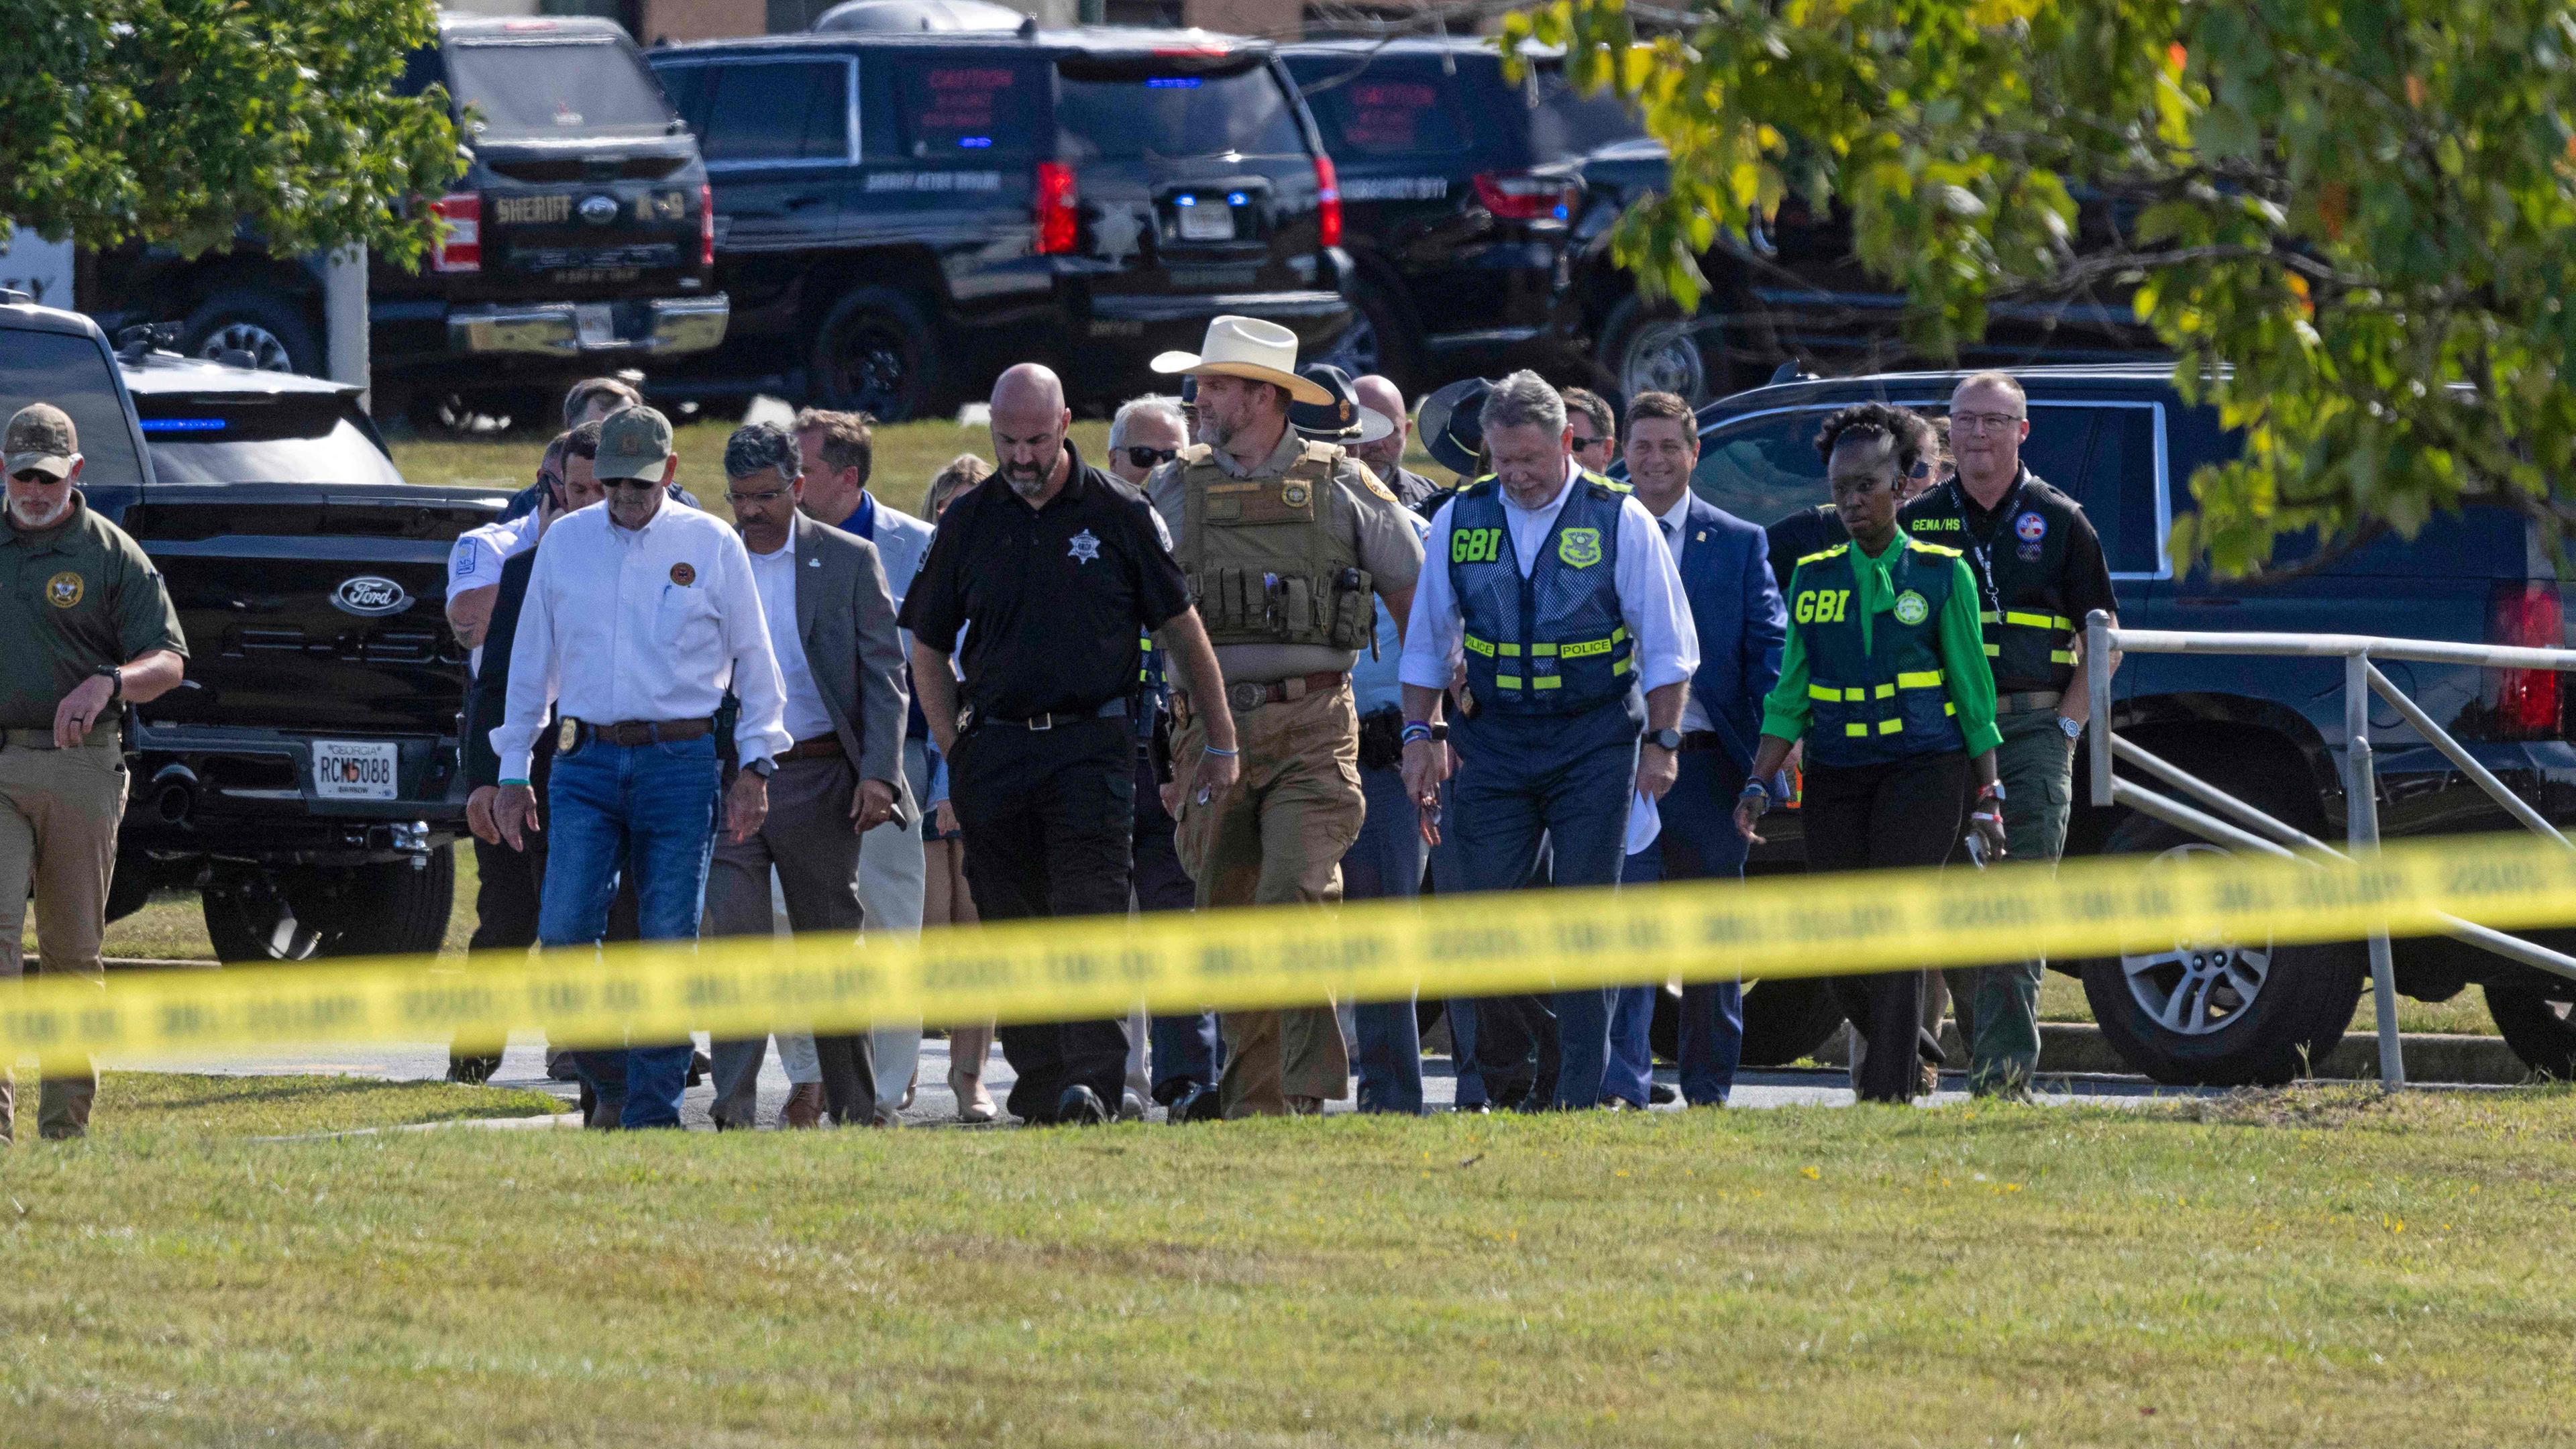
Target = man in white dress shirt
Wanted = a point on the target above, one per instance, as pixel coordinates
(1553, 586)
(639, 616)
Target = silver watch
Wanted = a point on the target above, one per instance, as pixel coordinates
(2074, 728)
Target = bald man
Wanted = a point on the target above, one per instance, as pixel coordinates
(1385, 457)
(1059, 570)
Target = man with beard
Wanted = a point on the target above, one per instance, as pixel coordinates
(85, 626)
(1285, 540)
(1056, 570)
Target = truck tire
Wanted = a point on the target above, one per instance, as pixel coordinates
(2220, 1013)
(2539, 1026)
(1650, 347)
(270, 326)
(875, 353)
(1788, 1019)
(307, 913)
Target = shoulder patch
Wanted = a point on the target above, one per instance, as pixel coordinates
(1480, 488)
(1821, 554)
(1607, 488)
(1940, 550)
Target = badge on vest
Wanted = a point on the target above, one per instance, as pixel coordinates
(1912, 609)
(1085, 547)
(64, 589)
(1295, 495)
(2030, 528)
(683, 574)
(1579, 547)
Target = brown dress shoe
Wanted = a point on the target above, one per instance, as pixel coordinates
(804, 1106)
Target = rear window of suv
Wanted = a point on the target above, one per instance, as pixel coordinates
(766, 111)
(1125, 111)
(526, 88)
(1565, 122)
(1388, 110)
(73, 373)
(969, 106)
(219, 441)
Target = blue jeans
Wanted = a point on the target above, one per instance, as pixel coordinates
(656, 806)
(1565, 782)
(1698, 842)
(1385, 863)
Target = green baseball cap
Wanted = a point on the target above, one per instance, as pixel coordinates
(42, 439)
(633, 443)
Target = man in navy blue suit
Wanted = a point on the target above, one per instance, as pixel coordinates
(1735, 604)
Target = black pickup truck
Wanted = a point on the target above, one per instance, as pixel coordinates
(2270, 731)
(579, 241)
(304, 779)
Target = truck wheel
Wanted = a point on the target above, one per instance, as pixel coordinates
(2220, 1013)
(1648, 347)
(1788, 1019)
(270, 326)
(875, 354)
(2539, 1026)
(305, 913)
(129, 889)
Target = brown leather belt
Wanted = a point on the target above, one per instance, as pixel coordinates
(821, 747)
(634, 732)
(1251, 695)
(2027, 701)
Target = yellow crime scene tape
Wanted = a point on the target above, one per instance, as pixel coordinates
(1241, 959)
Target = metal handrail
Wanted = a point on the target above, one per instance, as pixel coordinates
(2362, 679)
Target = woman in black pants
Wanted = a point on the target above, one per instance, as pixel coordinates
(1885, 680)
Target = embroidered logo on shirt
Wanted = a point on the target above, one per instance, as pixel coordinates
(1912, 609)
(2030, 528)
(683, 575)
(1579, 547)
(1295, 495)
(64, 589)
(1085, 547)
(465, 563)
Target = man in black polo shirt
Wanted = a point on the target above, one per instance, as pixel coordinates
(1056, 570)
(2039, 569)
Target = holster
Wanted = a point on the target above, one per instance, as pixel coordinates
(1382, 738)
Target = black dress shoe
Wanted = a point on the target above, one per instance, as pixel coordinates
(1661, 1095)
(1197, 1103)
(1080, 1107)
(700, 1068)
(472, 1071)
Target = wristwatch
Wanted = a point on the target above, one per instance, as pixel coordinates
(763, 768)
(2074, 728)
(115, 676)
(1668, 740)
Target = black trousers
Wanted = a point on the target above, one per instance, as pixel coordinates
(1884, 817)
(1048, 818)
(1184, 1051)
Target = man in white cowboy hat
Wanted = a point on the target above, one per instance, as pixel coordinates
(1287, 544)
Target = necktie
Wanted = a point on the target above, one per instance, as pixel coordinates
(1666, 525)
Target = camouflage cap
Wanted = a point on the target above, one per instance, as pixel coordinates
(633, 443)
(42, 440)
(755, 446)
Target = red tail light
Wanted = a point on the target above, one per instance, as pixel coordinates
(706, 225)
(460, 232)
(1519, 196)
(1058, 220)
(2525, 703)
(1328, 197)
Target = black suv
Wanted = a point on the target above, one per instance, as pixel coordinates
(304, 779)
(579, 241)
(2270, 731)
(1463, 192)
(900, 215)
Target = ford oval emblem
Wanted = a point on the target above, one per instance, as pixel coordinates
(370, 595)
(599, 210)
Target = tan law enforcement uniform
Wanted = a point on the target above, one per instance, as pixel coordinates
(74, 598)
(1283, 563)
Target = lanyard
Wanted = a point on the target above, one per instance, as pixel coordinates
(1983, 550)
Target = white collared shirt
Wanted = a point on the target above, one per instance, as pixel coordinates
(1675, 528)
(641, 624)
(803, 713)
(1650, 592)
(474, 562)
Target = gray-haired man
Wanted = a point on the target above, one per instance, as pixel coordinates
(830, 615)
(1554, 586)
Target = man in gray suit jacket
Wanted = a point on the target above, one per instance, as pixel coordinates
(831, 625)
(839, 453)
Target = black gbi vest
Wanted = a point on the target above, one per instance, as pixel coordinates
(2022, 569)
(1888, 700)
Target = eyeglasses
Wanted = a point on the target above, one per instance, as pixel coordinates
(1150, 457)
(765, 495)
(1984, 422)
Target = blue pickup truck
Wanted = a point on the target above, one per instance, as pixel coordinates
(2122, 442)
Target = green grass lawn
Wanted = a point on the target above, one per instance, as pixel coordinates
(2322, 1267)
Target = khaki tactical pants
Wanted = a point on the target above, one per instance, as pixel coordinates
(1278, 837)
(58, 816)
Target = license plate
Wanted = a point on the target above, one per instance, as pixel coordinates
(354, 769)
(597, 326)
(1210, 220)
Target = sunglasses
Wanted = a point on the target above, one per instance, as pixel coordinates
(34, 475)
(640, 485)
(1150, 457)
(1581, 442)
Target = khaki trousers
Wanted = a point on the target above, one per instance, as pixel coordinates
(1278, 837)
(58, 816)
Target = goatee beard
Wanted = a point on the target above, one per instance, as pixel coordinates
(1027, 485)
(47, 519)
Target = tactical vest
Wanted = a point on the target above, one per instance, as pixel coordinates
(1891, 700)
(1554, 642)
(2029, 637)
(1264, 564)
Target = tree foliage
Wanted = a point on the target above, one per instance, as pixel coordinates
(2354, 221)
(178, 120)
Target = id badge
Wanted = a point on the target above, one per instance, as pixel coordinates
(567, 736)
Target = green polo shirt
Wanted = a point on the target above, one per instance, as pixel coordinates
(73, 597)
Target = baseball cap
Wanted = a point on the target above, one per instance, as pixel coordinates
(633, 443)
(41, 439)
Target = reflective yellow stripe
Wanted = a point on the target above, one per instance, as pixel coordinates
(1985, 616)
(1884, 691)
(1479, 646)
(1548, 651)
(1856, 693)
(1949, 708)
(1508, 651)
(1548, 681)
(1891, 726)
(2033, 621)
(1508, 681)
(1994, 651)
(1830, 693)
(1622, 665)
(1860, 730)
(1588, 648)
(1919, 679)
(2061, 656)
(1618, 634)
